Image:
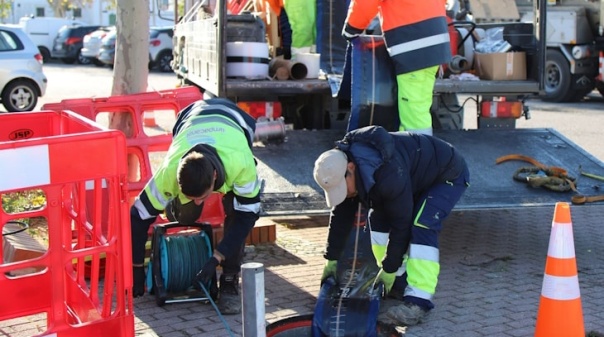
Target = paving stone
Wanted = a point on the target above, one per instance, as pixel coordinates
(492, 264)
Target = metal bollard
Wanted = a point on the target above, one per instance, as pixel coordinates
(252, 297)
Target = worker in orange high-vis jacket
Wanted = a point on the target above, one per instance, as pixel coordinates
(417, 38)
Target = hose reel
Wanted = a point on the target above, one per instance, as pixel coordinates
(178, 252)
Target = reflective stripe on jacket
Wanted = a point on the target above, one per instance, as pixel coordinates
(393, 169)
(221, 125)
(415, 32)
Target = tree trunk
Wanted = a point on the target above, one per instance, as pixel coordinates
(130, 69)
(57, 8)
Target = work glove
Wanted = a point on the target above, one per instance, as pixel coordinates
(206, 274)
(387, 279)
(329, 270)
(350, 32)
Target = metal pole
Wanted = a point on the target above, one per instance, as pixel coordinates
(252, 297)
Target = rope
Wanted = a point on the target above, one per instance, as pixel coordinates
(373, 81)
(352, 273)
(551, 177)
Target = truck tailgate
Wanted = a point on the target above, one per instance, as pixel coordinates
(289, 188)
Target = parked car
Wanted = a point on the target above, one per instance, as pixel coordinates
(22, 80)
(43, 30)
(68, 44)
(92, 44)
(160, 48)
(107, 50)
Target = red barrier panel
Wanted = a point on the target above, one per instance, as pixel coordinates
(139, 106)
(141, 144)
(73, 162)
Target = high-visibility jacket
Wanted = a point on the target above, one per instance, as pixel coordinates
(415, 32)
(224, 133)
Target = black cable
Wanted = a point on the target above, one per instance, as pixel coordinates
(24, 227)
(462, 105)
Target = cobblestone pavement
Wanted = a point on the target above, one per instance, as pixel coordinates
(490, 284)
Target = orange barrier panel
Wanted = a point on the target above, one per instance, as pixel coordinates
(73, 162)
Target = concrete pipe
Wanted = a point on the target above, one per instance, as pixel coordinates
(270, 131)
(278, 69)
(281, 69)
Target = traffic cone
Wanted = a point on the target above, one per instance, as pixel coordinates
(560, 312)
(149, 119)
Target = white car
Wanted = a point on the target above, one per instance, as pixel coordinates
(22, 80)
(92, 44)
(160, 48)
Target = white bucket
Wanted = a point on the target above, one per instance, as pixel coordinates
(312, 63)
(247, 59)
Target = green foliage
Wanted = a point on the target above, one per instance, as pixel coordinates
(5, 9)
(22, 201)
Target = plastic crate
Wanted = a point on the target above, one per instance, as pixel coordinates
(74, 162)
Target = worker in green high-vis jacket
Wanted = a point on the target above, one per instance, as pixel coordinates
(211, 151)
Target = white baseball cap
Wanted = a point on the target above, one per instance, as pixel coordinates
(329, 173)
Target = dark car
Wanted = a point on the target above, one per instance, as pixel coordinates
(68, 44)
(160, 48)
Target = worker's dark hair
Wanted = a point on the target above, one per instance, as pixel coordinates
(195, 174)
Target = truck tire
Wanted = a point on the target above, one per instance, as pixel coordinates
(306, 112)
(558, 79)
(447, 114)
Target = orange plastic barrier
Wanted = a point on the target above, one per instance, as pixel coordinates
(74, 163)
(138, 105)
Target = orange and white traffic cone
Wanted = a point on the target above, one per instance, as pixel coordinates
(149, 119)
(560, 312)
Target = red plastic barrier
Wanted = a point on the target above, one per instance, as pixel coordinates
(142, 144)
(137, 105)
(73, 162)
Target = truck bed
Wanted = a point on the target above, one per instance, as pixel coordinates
(288, 167)
(242, 87)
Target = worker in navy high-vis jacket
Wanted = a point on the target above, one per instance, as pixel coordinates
(409, 183)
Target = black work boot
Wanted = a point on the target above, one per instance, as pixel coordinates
(229, 301)
(138, 278)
